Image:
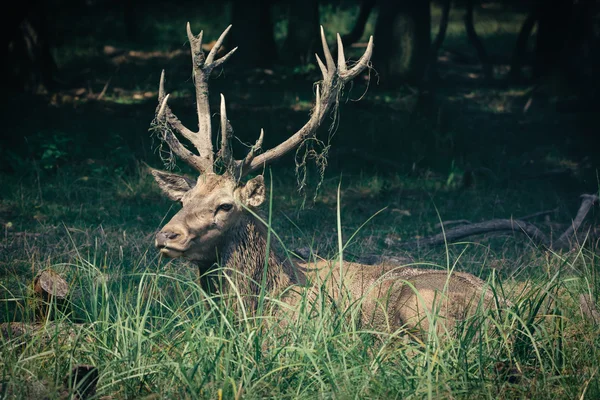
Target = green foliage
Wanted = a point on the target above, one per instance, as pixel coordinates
(454, 175)
(149, 328)
(54, 151)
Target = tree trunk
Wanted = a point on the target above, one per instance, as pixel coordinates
(366, 6)
(521, 47)
(439, 39)
(488, 71)
(28, 62)
(252, 33)
(566, 54)
(303, 32)
(402, 41)
(553, 31)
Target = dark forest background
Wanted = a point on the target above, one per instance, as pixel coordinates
(481, 108)
(81, 77)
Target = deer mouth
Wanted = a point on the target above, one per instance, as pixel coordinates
(171, 252)
(170, 248)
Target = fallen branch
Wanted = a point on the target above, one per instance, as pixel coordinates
(539, 214)
(103, 92)
(467, 222)
(588, 200)
(511, 225)
(453, 222)
(479, 228)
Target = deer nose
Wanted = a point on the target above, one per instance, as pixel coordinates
(163, 237)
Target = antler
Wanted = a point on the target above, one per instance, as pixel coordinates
(327, 92)
(202, 67)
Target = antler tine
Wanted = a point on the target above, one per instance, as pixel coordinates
(259, 142)
(174, 144)
(225, 134)
(322, 67)
(327, 92)
(168, 136)
(165, 111)
(242, 166)
(195, 42)
(224, 58)
(213, 52)
(317, 109)
(326, 52)
(163, 106)
(341, 58)
(161, 87)
(362, 63)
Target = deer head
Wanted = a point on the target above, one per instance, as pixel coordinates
(215, 205)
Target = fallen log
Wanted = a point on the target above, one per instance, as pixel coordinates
(564, 242)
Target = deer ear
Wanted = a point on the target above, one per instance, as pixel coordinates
(254, 192)
(173, 185)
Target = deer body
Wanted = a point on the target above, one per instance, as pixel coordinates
(215, 228)
(217, 223)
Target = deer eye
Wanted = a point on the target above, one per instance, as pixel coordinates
(225, 207)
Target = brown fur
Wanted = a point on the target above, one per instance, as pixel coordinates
(390, 296)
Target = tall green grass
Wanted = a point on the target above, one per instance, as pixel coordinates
(152, 330)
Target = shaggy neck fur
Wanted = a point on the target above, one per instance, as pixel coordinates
(243, 258)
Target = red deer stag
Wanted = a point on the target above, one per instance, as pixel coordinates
(217, 224)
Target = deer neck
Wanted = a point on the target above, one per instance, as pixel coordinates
(243, 257)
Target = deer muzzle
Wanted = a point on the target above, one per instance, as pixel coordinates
(170, 243)
(163, 238)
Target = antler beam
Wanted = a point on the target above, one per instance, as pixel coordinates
(327, 94)
(202, 139)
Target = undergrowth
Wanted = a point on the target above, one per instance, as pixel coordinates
(151, 329)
